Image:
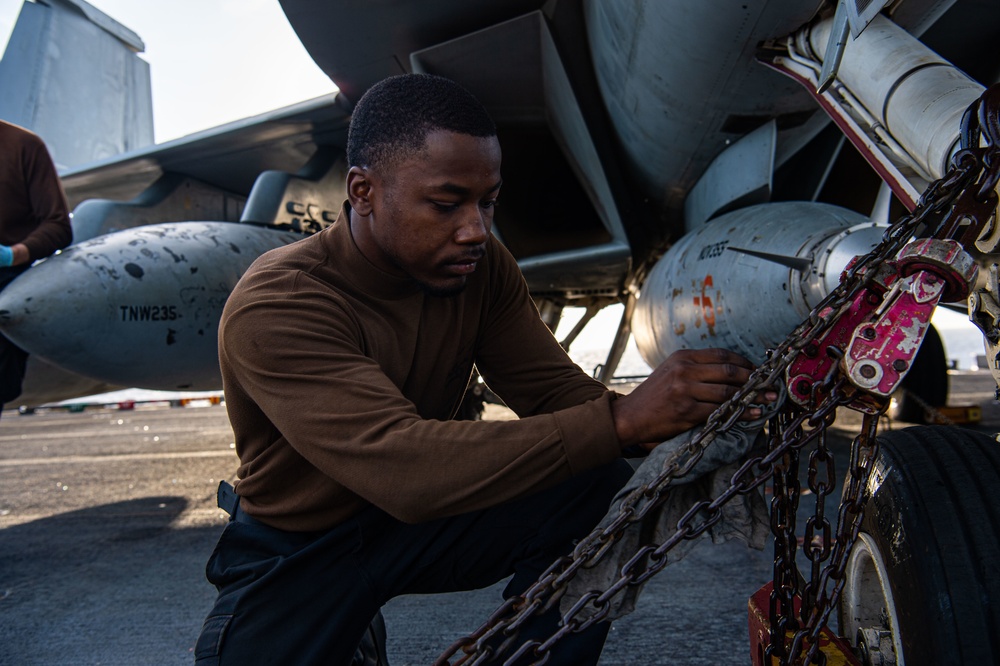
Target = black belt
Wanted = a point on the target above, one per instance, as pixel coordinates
(229, 501)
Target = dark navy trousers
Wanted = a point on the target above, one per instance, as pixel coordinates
(308, 598)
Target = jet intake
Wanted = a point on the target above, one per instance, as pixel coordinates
(747, 278)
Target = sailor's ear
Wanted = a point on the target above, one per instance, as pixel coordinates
(359, 190)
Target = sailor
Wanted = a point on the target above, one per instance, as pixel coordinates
(34, 223)
(344, 358)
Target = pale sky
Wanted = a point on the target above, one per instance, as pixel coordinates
(211, 61)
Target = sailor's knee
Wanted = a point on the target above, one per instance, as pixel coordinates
(590, 494)
(619, 473)
(610, 478)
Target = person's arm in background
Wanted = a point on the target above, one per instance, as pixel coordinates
(49, 209)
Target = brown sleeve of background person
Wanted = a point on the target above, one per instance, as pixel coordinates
(33, 207)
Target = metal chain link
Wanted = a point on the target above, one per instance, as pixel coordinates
(958, 194)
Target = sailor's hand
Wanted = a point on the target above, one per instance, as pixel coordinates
(680, 394)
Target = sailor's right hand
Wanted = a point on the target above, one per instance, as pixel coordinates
(679, 395)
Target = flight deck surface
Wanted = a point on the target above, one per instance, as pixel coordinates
(108, 516)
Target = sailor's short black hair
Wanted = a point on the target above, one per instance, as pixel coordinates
(393, 118)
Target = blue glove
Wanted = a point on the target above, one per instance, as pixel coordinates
(6, 256)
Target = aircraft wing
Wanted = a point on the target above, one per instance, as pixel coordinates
(228, 157)
(349, 40)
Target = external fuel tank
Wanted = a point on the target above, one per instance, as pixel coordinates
(138, 307)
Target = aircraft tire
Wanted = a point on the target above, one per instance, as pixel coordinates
(925, 385)
(923, 570)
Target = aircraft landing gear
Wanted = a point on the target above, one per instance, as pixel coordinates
(921, 583)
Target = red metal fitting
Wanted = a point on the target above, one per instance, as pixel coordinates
(944, 258)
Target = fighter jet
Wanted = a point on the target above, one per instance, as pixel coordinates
(629, 129)
(713, 166)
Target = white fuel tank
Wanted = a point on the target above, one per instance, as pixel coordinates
(746, 279)
(138, 307)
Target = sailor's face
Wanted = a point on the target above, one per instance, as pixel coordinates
(432, 213)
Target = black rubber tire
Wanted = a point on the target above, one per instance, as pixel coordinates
(926, 382)
(934, 515)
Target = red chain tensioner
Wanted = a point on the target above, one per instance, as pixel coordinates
(876, 339)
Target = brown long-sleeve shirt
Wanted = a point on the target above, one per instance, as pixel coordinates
(340, 381)
(33, 208)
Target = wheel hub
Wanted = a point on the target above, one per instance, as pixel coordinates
(867, 608)
(875, 647)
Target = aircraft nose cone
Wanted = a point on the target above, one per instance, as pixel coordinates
(139, 307)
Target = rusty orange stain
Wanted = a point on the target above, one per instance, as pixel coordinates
(704, 302)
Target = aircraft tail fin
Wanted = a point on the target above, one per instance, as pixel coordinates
(72, 75)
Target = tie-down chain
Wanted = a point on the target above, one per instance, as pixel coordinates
(852, 350)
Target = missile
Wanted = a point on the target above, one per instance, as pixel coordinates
(138, 307)
(746, 279)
